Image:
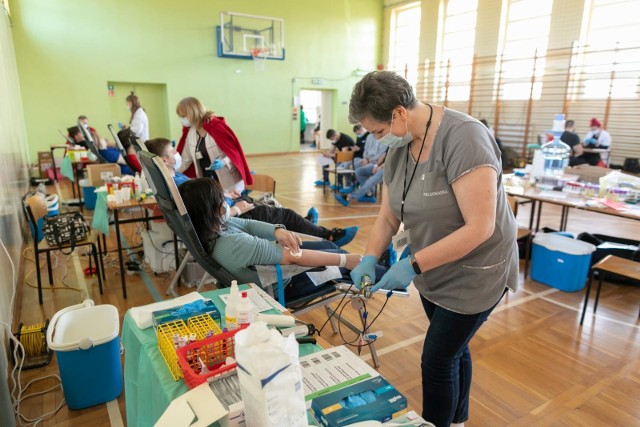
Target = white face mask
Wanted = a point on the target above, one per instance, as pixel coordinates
(185, 122)
(393, 141)
(85, 125)
(227, 212)
(178, 159)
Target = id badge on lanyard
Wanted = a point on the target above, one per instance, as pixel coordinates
(401, 239)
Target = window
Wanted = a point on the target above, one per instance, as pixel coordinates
(405, 41)
(613, 44)
(527, 33)
(458, 42)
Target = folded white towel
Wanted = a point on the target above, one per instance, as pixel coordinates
(142, 315)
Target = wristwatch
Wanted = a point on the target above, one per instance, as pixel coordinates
(279, 226)
(414, 265)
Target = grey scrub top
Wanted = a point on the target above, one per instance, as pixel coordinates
(475, 282)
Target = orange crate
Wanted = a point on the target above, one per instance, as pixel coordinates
(212, 351)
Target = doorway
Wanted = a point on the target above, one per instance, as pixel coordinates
(153, 98)
(317, 108)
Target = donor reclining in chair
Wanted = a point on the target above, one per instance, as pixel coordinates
(237, 244)
(273, 215)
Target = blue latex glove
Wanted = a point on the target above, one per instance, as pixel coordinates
(591, 141)
(217, 164)
(398, 277)
(367, 267)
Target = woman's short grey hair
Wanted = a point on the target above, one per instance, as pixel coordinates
(378, 94)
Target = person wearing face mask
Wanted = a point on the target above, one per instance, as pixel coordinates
(443, 182)
(209, 147)
(595, 138)
(339, 142)
(238, 244)
(139, 123)
(244, 208)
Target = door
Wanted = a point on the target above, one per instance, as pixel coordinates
(153, 98)
(317, 109)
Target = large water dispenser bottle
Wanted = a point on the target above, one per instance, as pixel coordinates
(556, 156)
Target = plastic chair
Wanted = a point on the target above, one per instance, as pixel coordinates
(341, 157)
(36, 209)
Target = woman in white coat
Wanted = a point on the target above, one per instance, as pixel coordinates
(139, 120)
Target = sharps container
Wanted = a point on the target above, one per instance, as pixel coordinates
(85, 339)
(560, 261)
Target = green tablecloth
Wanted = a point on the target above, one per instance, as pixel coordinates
(148, 384)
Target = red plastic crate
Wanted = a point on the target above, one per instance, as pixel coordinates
(213, 352)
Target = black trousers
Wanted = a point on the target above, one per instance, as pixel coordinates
(288, 218)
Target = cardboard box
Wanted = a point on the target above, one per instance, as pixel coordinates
(340, 408)
(588, 173)
(93, 173)
(45, 162)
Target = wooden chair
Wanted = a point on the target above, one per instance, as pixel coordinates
(36, 209)
(522, 232)
(341, 157)
(610, 264)
(264, 183)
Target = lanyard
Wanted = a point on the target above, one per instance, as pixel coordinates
(406, 186)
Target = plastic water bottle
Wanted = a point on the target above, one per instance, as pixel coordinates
(243, 311)
(137, 183)
(555, 155)
(231, 309)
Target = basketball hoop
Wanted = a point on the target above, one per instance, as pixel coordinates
(259, 56)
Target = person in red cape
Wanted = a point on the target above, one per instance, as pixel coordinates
(209, 148)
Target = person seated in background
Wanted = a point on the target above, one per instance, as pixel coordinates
(361, 137)
(127, 138)
(210, 147)
(238, 244)
(340, 142)
(368, 178)
(110, 153)
(595, 138)
(484, 122)
(244, 209)
(571, 138)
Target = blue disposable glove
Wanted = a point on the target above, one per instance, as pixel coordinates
(217, 164)
(367, 267)
(397, 277)
(591, 141)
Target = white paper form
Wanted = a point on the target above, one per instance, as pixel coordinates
(323, 276)
(258, 304)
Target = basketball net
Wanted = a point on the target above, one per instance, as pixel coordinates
(259, 58)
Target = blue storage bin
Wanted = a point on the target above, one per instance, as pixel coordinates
(85, 339)
(88, 194)
(560, 262)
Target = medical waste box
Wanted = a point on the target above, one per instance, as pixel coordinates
(560, 262)
(85, 339)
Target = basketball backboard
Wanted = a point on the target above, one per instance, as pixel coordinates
(241, 34)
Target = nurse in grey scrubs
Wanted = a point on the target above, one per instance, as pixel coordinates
(443, 182)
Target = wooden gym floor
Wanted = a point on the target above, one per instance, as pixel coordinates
(533, 363)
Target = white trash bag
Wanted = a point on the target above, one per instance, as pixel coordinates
(270, 378)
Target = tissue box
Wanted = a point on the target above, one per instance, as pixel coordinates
(330, 409)
(164, 316)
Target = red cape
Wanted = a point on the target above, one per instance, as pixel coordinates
(227, 142)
